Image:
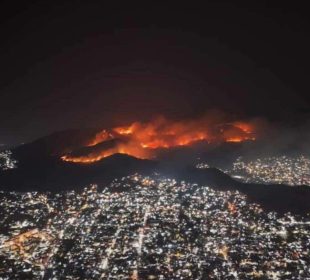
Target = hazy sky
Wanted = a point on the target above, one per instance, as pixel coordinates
(78, 64)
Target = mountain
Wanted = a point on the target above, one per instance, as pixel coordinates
(55, 175)
(41, 169)
(53, 145)
(84, 151)
(280, 198)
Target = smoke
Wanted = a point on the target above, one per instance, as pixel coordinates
(273, 139)
(282, 139)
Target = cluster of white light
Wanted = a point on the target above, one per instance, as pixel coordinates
(287, 170)
(202, 165)
(6, 160)
(142, 227)
(279, 170)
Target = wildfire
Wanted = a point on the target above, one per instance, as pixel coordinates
(142, 140)
(100, 137)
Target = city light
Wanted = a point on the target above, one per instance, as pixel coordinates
(158, 229)
(6, 160)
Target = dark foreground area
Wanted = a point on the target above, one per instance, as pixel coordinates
(52, 174)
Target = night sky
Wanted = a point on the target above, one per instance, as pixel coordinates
(79, 64)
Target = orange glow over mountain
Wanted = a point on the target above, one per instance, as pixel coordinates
(143, 140)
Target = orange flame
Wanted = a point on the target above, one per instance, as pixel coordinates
(100, 137)
(142, 140)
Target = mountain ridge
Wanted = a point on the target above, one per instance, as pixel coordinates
(40, 168)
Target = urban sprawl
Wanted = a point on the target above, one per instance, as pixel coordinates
(270, 170)
(141, 227)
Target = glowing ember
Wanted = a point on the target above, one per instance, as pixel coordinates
(239, 139)
(142, 140)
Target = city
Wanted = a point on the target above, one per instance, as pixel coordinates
(141, 227)
(279, 170)
(6, 160)
(287, 170)
(157, 142)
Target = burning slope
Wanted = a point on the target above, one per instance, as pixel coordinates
(142, 140)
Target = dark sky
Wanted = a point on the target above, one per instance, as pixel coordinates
(79, 64)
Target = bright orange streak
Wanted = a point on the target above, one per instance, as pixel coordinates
(126, 130)
(100, 137)
(235, 140)
(88, 158)
(142, 140)
(239, 139)
(245, 127)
